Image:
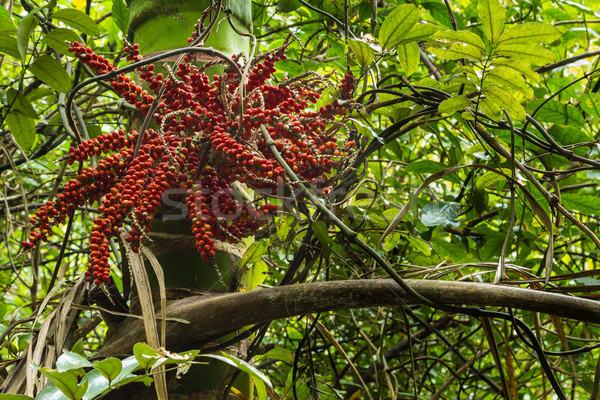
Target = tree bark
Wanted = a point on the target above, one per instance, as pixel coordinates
(211, 315)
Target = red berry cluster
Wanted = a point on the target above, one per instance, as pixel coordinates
(210, 138)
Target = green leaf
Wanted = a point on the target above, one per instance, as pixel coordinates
(97, 384)
(254, 252)
(18, 102)
(69, 360)
(255, 275)
(66, 382)
(409, 57)
(567, 135)
(535, 54)
(110, 368)
(419, 32)
(424, 167)
(145, 355)
(78, 348)
(322, 233)
(506, 102)
(491, 177)
(440, 13)
(451, 37)
(590, 103)
(492, 16)
(530, 33)
(15, 397)
(510, 80)
(585, 203)
(491, 248)
(242, 365)
(363, 52)
(440, 213)
(419, 245)
(22, 128)
(9, 46)
(49, 71)
(279, 353)
(78, 20)
(454, 104)
(120, 14)
(24, 30)
(557, 112)
(129, 364)
(491, 109)
(94, 130)
(521, 67)
(397, 24)
(7, 27)
(457, 51)
(60, 39)
(287, 6)
(4, 13)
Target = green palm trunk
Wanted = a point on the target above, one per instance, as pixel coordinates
(160, 25)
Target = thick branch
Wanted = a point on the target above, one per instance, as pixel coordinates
(212, 315)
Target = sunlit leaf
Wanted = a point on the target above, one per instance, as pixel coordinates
(77, 19)
(254, 252)
(506, 101)
(9, 46)
(409, 57)
(419, 245)
(509, 79)
(419, 32)
(18, 102)
(66, 382)
(490, 108)
(451, 37)
(51, 72)
(7, 27)
(457, 51)
(110, 368)
(120, 14)
(242, 365)
(492, 16)
(587, 204)
(451, 105)
(60, 38)
(24, 30)
(397, 24)
(363, 52)
(534, 54)
(521, 67)
(279, 353)
(532, 32)
(22, 129)
(255, 275)
(69, 360)
(145, 355)
(591, 104)
(491, 177)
